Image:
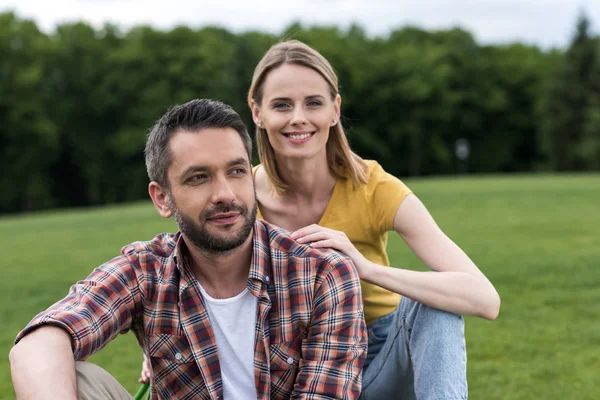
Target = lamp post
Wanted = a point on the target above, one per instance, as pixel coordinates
(462, 149)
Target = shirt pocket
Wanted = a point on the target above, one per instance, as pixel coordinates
(170, 347)
(173, 366)
(284, 361)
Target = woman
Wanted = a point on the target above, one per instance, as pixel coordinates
(311, 183)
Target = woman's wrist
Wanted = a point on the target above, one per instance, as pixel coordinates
(369, 271)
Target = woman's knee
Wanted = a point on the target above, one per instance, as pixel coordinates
(422, 316)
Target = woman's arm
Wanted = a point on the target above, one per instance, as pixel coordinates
(458, 286)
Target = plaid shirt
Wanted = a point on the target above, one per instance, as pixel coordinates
(310, 336)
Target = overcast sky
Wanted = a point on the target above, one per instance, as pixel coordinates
(546, 23)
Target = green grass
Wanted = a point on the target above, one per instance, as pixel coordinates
(536, 237)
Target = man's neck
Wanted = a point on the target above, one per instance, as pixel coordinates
(222, 275)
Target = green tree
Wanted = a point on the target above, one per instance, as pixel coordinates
(82, 108)
(567, 108)
(589, 148)
(75, 104)
(28, 135)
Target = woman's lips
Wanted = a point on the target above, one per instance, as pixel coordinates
(299, 137)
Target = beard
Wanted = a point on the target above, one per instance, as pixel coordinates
(203, 240)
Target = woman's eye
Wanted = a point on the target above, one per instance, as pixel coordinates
(314, 103)
(281, 106)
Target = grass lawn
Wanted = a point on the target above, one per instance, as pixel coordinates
(536, 237)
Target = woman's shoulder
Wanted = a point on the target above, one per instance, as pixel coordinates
(264, 190)
(380, 185)
(373, 167)
(260, 177)
(255, 169)
(374, 173)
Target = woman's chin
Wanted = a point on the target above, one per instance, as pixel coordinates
(305, 154)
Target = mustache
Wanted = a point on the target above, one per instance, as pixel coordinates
(223, 208)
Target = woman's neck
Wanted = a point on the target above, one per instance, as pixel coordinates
(308, 178)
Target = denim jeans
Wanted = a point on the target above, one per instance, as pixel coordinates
(416, 352)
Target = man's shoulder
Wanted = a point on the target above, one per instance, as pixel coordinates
(161, 246)
(281, 247)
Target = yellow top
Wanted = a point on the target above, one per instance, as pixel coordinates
(366, 214)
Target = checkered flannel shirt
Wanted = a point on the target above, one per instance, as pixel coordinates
(310, 335)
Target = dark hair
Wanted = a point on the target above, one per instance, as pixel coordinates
(192, 116)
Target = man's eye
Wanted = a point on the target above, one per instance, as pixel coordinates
(314, 103)
(238, 171)
(197, 178)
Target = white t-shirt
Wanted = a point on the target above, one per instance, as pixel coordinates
(233, 321)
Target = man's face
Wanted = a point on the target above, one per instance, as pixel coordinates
(211, 188)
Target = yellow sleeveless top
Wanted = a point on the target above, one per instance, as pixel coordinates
(366, 214)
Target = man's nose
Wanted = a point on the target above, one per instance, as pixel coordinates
(222, 192)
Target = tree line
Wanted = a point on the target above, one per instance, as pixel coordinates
(75, 104)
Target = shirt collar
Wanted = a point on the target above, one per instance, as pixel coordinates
(260, 266)
(178, 253)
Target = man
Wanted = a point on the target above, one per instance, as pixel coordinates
(229, 307)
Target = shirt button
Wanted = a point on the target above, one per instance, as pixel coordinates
(267, 279)
(179, 304)
(290, 360)
(178, 356)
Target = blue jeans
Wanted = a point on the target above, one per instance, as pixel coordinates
(416, 352)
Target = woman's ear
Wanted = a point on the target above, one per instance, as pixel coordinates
(256, 114)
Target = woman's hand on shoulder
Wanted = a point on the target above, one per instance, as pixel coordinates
(320, 237)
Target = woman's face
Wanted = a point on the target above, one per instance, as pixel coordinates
(297, 111)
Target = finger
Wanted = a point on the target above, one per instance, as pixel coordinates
(327, 243)
(332, 244)
(307, 230)
(313, 237)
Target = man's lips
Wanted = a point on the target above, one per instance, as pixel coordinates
(224, 218)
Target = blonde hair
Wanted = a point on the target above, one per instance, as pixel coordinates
(341, 160)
